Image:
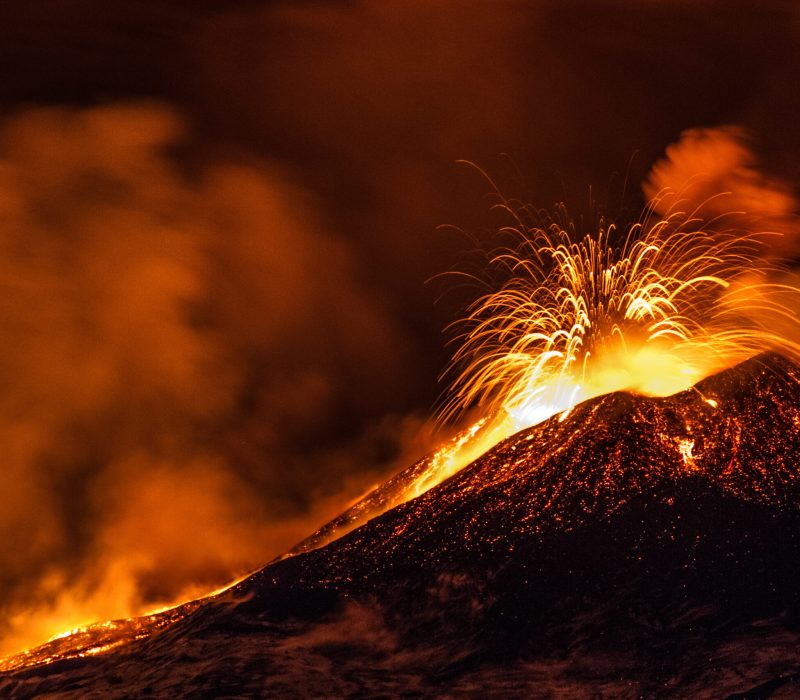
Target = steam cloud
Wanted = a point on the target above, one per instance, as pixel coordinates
(174, 344)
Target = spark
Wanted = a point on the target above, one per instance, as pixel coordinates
(650, 309)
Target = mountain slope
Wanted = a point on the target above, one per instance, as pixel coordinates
(636, 546)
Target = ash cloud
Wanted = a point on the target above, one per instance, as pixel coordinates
(713, 176)
(177, 350)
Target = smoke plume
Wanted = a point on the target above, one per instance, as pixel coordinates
(714, 175)
(179, 348)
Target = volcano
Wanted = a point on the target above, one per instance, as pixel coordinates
(633, 547)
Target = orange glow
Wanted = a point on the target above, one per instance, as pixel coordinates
(651, 310)
(88, 637)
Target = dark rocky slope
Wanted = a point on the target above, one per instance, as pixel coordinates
(638, 547)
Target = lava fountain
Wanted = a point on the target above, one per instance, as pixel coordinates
(700, 282)
(651, 309)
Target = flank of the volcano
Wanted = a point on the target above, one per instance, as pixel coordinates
(641, 545)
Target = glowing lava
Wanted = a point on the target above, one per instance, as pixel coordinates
(101, 637)
(652, 310)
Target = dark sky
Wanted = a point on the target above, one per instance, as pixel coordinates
(219, 220)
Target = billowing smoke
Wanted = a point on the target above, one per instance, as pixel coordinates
(714, 176)
(180, 345)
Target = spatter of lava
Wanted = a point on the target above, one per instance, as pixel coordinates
(651, 309)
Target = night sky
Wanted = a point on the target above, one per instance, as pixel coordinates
(222, 227)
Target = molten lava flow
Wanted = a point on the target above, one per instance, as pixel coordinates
(90, 639)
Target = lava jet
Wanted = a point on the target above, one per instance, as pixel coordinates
(636, 546)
